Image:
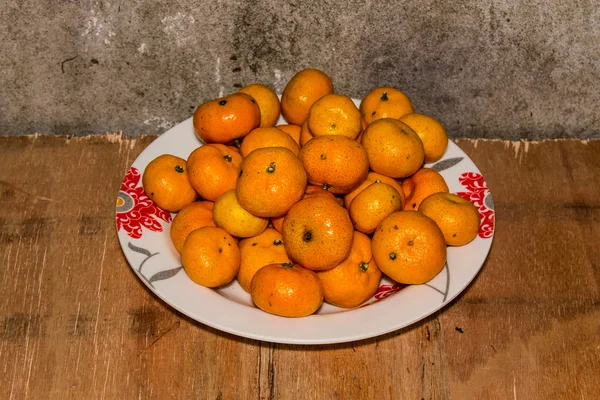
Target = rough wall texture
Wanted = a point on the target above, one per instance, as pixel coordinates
(503, 69)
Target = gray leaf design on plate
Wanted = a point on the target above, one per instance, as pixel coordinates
(447, 268)
(445, 164)
(489, 202)
(139, 249)
(162, 275)
(445, 292)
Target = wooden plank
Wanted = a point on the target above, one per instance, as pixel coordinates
(75, 322)
(530, 320)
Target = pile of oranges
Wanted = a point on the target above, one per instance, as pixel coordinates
(315, 210)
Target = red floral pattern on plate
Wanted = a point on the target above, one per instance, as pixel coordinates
(135, 210)
(384, 291)
(387, 290)
(477, 193)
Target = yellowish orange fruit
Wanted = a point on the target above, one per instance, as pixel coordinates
(268, 137)
(356, 279)
(373, 177)
(373, 205)
(292, 130)
(334, 114)
(385, 102)
(432, 134)
(287, 290)
(213, 169)
(457, 218)
(421, 184)
(336, 163)
(210, 256)
(393, 148)
(305, 133)
(300, 93)
(409, 247)
(191, 217)
(258, 251)
(268, 103)
(227, 118)
(317, 233)
(271, 180)
(231, 216)
(166, 183)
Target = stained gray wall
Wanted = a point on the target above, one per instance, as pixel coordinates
(498, 69)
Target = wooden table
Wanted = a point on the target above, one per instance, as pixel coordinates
(76, 323)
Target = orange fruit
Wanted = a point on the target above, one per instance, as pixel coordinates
(334, 162)
(409, 247)
(229, 215)
(356, 279)
(213, 169)
(311, 191)
(233, 148)
(277, 223)
(421, 184)
(268, 103)
(267, 137)
(270, 181)
(287, 290)
(305, 134)
(385, 102)
(210, 256)
(166, 183)
(227, 118)
(317, 233)
(394, 149)
(373, 177)
(432, 134)
(363, 126)
(306, 87)
(334, 114)
(314, 191)
(258, 251)
(191, 217)
(292, 130)
(457, 218)
(373, 205)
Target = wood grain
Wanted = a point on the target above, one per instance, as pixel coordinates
(76, 323)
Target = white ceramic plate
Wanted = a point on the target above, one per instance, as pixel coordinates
(143, 232)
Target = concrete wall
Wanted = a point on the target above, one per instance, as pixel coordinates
(499, 69)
